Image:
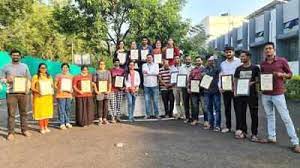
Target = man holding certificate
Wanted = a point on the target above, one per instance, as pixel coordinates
(170, 51)
(122, 55)
(275, 98)
(166, 88)
(16, 99)
(144, 49)
(194, 89)
(117, 75)
(246, 77)
(228, 68)
(212, 96)
(177, 90)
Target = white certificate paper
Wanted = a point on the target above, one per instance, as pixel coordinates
(46, 87)
(195, 86)
(226, 82)
(134, 54)
(86, 86)
(20, 85)
(86, 59)
(122, 58)
(206, 81)
(266, 82)
(242, 87)
(144, 54)
(77, 59)
(119, 81)
(66, 85)
(174, 77)
(158, 58)
(170, 53)
(181, 81)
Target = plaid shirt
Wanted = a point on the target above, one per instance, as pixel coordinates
(196, 74)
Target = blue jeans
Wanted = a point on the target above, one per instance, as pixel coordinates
(151, 93)
(64, 109)
(213, 101)
(278, 101)
(131, 105)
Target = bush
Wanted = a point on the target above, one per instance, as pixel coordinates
(293, 88)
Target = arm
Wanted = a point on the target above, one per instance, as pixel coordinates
(75, 81)
(33, 85)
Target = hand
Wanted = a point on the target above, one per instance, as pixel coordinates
(221, 90)
(189, 91)
(97, 92)
(9, 79)
(145, 72)
(251, 83)
(80, 92)
(279, 74)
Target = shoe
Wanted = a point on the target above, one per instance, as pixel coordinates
(207, 127)
(225, 130)
(296, 149)
(113, 120)
(206, 124)
(47, 130)
(62, 127)
(146, 117)
(100, 122)
(187, 121)
(195, 122)
(68, 125)
(217, 129)
(157, 117)
(105, 121)
(43, 131)
(10, 137)
(254, 138)
(166, 117)
(27, 134)
(271, 141)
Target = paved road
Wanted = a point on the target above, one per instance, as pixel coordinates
(149, 145)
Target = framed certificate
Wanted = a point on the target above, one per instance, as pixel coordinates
(66, 85)
(86, 59)
(119, 81)
(77, 59)
(181, 80)
(122, 58)
(242, 87)
(102, 86)
(195, 86)
(266, 82)
(226, 82)
(86, 86)
(136, 66)
(134, 54)
(158, 58)
(46, 87)
(20, 84)
(174, 77)
(144, 54)
(170, 53)
(206, 81)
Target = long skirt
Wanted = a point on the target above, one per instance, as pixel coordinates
(84, 111)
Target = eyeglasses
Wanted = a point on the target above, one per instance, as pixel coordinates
(43, 68)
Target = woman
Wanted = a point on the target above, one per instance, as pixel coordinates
(63, 86)
(42, 89)
(157, 53)
(122, 54)
(132, 83)
(102, 77)
(134, 54)
(84, 106)
(171, 46)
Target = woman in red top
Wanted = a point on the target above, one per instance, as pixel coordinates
(176, 51)
(84, 106)
(157, 52)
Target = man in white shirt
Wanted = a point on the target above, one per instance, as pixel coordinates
(228, 67)
(150, 72)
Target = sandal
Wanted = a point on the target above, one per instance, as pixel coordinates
(254, 138)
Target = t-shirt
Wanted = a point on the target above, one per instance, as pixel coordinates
(165, 77)
(77, 82)
(102, 76)
(252, 72)
(58, 79)
(116, 72)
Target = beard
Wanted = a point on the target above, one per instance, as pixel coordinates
(15, 59)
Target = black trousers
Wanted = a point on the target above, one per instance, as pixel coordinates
(228, 97)
(186, 102)
(242, 103)
(168, 100)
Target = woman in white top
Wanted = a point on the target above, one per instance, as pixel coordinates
(132, 83)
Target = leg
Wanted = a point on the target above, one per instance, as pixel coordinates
(133, 105)
(201, 103)
(208, 103)
(147, 101)
(239, 113)
(195, 107)
(61, 110)
(165, 98)
(118, 103)
(129, 101)
(105, 109)
(270, 114)
(217, 106)
(172, 99)
(22, 104)
(253, 106)
(227, 105)
(100, 104)
(155, 100)
(112, 104)
(68, 110)
(12, 103)
(186, 103)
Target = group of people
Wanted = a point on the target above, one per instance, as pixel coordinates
(159, 71)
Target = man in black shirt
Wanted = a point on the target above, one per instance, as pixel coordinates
(251, 72)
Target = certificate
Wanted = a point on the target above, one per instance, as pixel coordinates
(86, 86)
(77, 59)
(206, 81)
(119, 81)
(181, 80)
(136, 66)
(134, 54)
(242, 87)
(195, 86)
(170, 53)
(86, 59)
(158, 58)
(122, 58)
(66, 85)
(226, 82)
(46, 87)
(144, 54)
(266, 82)
(174, 77)
(102, 86)
(20, 85)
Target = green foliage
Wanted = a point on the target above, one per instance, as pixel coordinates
(293, 88)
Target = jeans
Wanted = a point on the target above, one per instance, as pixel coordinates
(168, 100)
(151, 93)
(131, 105)
(195, 106)
(64, 109)
(186, 103)
(213, 102)
(228, 96)
(202, 106)
(270, 102)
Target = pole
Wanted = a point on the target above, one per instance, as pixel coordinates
(299, 37)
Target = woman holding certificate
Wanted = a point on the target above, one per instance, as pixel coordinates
(122, 55)
(170, 51)
(102, 78)
(132, 83)
(134, 54)
(84, 106)
(42, 89)
(63, 86)
(157, 53)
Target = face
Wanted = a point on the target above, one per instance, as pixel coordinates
(101, 65)
(43, 69)
(170, 42)
(117, 63)
(198, 61)
(131, 66)
(229, 54)
(210, 62)
(188, 60)
(166, 63)
(121, 45)
(145, 41)
(65, 69)
(15, 57)
(269, 51)
(85, 70)
(177, 60)
(133, 45)
(149, 58)
(244, 58)
(158, 44)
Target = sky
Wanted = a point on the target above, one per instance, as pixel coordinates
(196, 10)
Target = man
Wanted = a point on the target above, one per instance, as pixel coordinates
(247, 71)
(275, 99)
(185, 69)
(177, 91)
(196, 74)
(228, 67)
(150, 72)
(166, 89)
(14, 100)
(144, 47)
(212, 96)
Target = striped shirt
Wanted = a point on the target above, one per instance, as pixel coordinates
(165, 77)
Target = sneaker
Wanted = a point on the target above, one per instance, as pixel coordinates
(157, 117)
(105, 121)
(225, 130)
(195, 122)
(62, 127)
(146, 117)
(186, 121)
(68, 125)
(217, 129)
(296, 149)
(207, 127)
(27, 134)
(206, 124)
(113, 120)
(10, 137)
